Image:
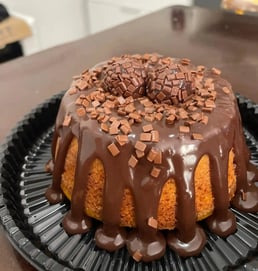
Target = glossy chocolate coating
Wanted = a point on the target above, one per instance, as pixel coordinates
(221, 132)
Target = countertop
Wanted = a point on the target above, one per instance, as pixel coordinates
(214, 38)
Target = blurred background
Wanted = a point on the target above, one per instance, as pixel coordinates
(29, 26)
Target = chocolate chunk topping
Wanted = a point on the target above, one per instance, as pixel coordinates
(125, 77)
(168, 84)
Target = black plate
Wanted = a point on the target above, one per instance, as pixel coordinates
(33, 226)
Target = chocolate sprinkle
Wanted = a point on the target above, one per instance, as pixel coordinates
(184, 129)
(124, 77)
(81, 112)
(145, 136)
(147, 128)
(167, 84)
(155, 172)
(132, 161)
(140, 146)
(113, 149)
(197, 136)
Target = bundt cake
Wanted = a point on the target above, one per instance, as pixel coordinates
(149, 145)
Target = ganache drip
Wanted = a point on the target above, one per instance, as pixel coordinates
(149, 119)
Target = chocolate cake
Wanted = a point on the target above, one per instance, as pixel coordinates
(150, 145)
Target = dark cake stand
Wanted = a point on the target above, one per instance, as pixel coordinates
(34, 227)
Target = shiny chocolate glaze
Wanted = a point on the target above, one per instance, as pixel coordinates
(220, 133)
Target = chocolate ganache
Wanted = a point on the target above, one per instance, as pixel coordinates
(149, 118)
